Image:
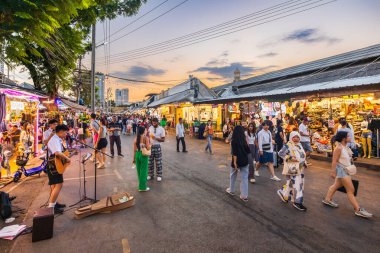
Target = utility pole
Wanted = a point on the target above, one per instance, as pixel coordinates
(93, 47)
(79, 84)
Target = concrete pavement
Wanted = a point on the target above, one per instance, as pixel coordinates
(190, 212)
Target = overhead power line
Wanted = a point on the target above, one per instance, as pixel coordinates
(210, 29)
(131, 23)
(147, 23)
(136, 54)
(143, 81)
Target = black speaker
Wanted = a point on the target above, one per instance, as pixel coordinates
(43, 223)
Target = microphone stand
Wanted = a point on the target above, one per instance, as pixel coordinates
(96, 151)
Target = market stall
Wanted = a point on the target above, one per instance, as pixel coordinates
(19, 118)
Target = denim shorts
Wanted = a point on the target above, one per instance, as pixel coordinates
(367, 135)
(306, 146)
(341, 172)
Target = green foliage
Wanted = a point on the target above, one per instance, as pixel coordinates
(47, 37)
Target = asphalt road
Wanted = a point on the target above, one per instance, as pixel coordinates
(189, 211)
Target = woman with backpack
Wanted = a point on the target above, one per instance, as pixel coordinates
(341, 170)
(240, 163)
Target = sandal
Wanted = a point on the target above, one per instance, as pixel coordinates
(244, 199)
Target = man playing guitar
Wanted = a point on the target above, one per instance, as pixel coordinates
(55, 148)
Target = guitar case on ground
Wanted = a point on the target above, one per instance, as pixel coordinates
(112, 203)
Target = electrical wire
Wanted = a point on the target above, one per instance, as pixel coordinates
(131, 23)
(210, 29)
(147, 23)
(234, 30)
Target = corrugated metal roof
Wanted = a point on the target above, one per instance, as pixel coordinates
(331, 85)
(352, 56)
(186, 95)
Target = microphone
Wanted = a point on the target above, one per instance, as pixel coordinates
(85, 157)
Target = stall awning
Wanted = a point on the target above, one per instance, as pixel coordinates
(73, 105)
(185, 96)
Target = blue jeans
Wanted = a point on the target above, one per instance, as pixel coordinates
(244, 180)
(209, 144)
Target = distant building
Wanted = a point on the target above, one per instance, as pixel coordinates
(122, 96)
(100, 84)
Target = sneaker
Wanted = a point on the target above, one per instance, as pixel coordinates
(257, 173)
(149, 178)
(279, 193)
(59, 205)
(147, 189)
(228, 190)
(275, 178)
(244, 199)
(363, 213)
(252, 180)
(185, 151)
(299, 207)
(58, 210)
(159, 179)
(330, 203)
(120, 155)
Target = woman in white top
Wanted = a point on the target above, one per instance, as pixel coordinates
(250, 135)
(342, 158)
(26, 136)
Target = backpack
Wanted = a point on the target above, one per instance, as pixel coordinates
(5, 206)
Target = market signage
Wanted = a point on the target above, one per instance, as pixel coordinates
(16, 105)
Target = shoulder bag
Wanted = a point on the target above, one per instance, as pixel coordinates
(145, 151)
(351, 169)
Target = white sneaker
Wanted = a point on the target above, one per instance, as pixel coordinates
(159, 179)
(275, 178)
(363, 213)
(252, 180)
(330, 203)
(149, 178)
(257, 173)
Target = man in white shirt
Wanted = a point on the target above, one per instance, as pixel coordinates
(55, 149)
(265, 142)
(48, 134)
(157, 134)
(305, 137)
(180, 135)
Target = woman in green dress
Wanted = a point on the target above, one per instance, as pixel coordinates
(141, 160)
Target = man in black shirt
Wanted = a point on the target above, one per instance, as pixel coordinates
(114, 129)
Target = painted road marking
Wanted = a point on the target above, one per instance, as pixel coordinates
(118, 174)
(125, 244)
(87, 177)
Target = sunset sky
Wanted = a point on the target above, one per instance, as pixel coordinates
(334, 28)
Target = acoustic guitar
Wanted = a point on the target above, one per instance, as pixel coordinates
(60, 164)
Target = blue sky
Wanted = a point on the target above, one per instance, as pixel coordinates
(338, 27)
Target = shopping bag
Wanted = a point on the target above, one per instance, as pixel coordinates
(356, 186)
